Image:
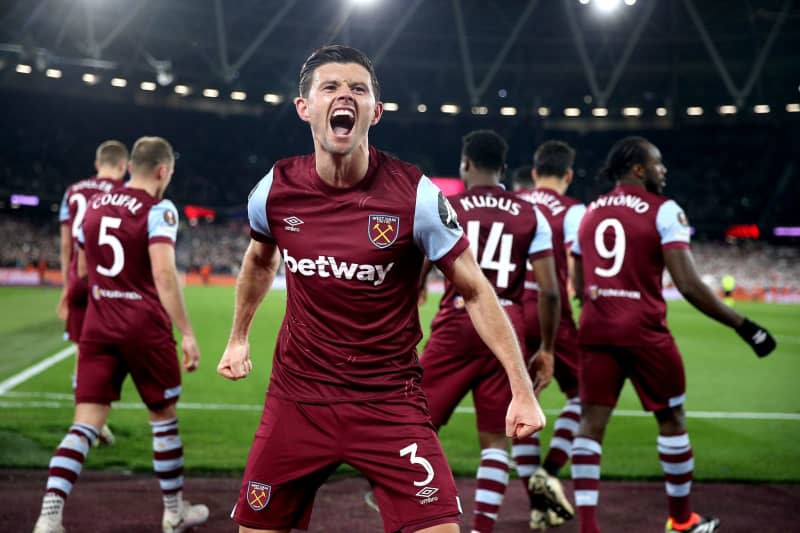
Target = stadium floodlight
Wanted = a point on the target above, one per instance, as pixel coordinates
(793, 108)
(450, 109)
(239, 95)
(147, 86)
(584, 2)
(119, 82)
(543, 111)
(182, 90)
(600, 112)
(422, 108)
(572, 112)
(694, 111)
(210, 93)
(24, 69)
(90, 79)
(390, 106)
(53, 73)
(761, 109)
(508, 111)
(727, 110)
(607, 6)
(632, 111)
(630, 2)
(480, 110)
(272, 98)
(661, 111)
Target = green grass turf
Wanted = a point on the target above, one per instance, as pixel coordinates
(722, 374)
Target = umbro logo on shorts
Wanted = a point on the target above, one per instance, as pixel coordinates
(258, 495)
(427, 495)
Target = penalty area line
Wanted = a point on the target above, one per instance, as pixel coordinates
(36, 369)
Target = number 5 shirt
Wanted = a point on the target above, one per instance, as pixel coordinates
(621, 241)
(117, 231)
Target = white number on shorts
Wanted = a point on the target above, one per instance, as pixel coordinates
(412, 449)
(503, 265)
(116, 246)
(617, 253)
(80, 211)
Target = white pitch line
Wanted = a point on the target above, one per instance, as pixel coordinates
(38, 368)
(56, 400)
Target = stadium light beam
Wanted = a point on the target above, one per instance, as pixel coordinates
(239, 96)
(508, 111)
(272, 98)
(53, 73)
(761, 109)
(632, 112)
(450, 109)
(210, 93)
(607, 6)
(727, 110)
(600, 112)
(119, 82)
(572, 112)
(390, 106)
(694, 111)
(182, 90)
(24, 69)
(90, 79)
(147, 86)
(793, 108)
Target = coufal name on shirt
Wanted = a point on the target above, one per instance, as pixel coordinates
(621, 200)
(326, 266)
(118, 200)
(544, 199)
(475, 201)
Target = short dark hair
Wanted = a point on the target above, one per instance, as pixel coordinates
(111, 153)
(522, 176)
(623, 155)
(553, 158)
(335, 53)
(149, 152)
(486, 148)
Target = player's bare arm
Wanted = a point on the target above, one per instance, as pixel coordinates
(259, 267)
(83, 269)
(427, 266)
(65, 253)
(170, 294)
(524, 416)
(549, 307)
(680, 264)
(577, 278)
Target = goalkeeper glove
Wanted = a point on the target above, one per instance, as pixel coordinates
(759, 339)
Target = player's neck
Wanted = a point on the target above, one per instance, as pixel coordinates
(109, 172)
(481, 179)
(554, 184)
(343, 170)
(631, 181)
(144, 184)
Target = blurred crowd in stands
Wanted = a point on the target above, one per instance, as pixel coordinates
(218, 249)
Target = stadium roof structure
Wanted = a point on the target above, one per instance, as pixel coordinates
(645, 59)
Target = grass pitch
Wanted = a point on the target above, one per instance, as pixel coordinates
(744, 412)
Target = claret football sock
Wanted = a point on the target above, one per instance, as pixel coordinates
(492, 480)
(526, 452)
(675, 453)
(564, 430)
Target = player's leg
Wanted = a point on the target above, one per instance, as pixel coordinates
(601, 377)
(659, 379)
(67, 463)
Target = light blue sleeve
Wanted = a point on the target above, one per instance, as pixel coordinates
(543, 240)
(436, 228)
(162, 221)
(576, 248)
(572, 220)
(672, 224)
(257, 205)
(63, 211)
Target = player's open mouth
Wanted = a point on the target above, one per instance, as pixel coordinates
(342, 121)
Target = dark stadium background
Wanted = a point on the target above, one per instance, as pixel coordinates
(671, 54)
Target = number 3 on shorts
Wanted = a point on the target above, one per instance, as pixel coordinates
(411, 449)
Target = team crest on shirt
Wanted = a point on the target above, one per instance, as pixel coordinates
(96, 292)
(594, 291)
(383, 229)
(169, 218)
(258, 495)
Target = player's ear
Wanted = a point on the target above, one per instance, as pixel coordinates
(301, 106)
(97, 165)
(130, 167)
(376, 117)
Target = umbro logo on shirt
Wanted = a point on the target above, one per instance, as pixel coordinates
(292, 222)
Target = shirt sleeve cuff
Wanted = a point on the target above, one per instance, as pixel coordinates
(445, 263)
(160, 239)
(260, 237)
(675, 244)
(542, 254)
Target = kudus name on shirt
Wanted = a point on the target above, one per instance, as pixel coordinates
(119, 200)
(621, 200)
(326, 266)
(477, 200)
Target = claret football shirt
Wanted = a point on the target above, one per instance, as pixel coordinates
(352, 258)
